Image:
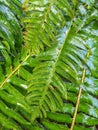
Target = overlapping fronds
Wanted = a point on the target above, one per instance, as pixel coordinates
(72, 60)
(13, 107)
(49, 80)
(10, 32)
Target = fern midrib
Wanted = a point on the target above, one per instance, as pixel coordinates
(78, 100)
(25, 2)
(14, 71)
(52, 73)
(46, 14)
(79, 95)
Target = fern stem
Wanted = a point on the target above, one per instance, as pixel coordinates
(25, 2)
(78, 101)
(76, 109)
(15, 70)
(46, 14)
(79, 94)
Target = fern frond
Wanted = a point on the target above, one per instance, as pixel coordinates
(43, 21)
(12, 111)
(50, 81)
(62, 64)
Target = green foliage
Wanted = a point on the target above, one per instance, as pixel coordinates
(48, 56)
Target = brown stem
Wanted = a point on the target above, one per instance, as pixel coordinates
(78, 101)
